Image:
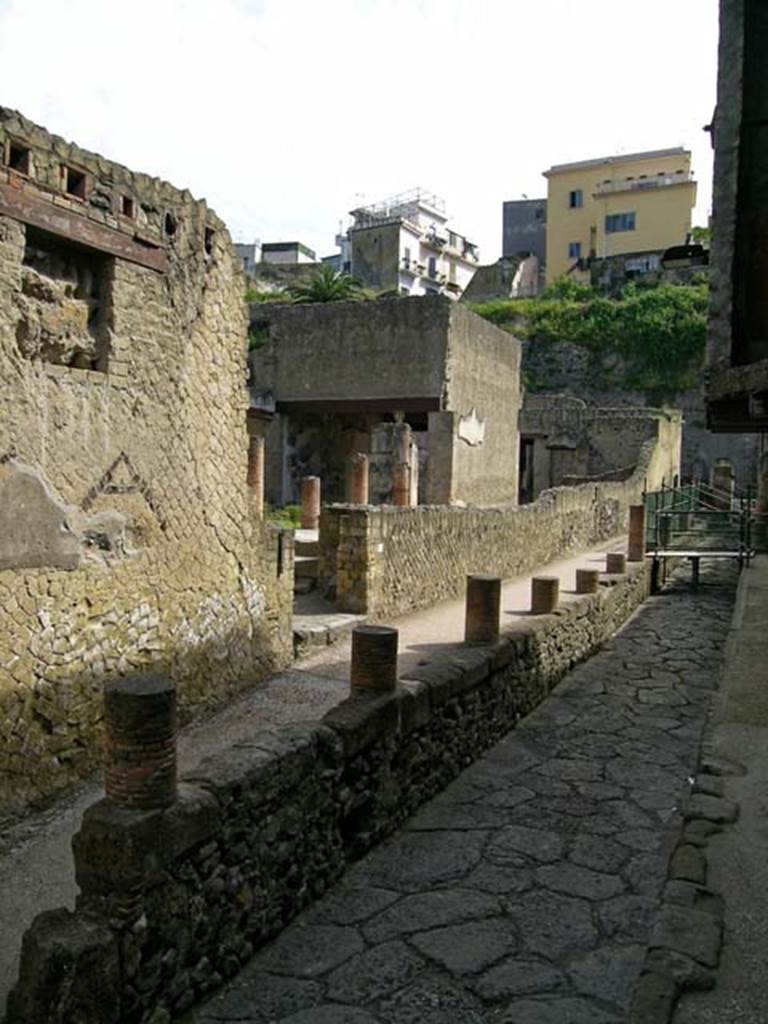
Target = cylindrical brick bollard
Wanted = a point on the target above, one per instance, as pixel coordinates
(374, 660)
(357, 479)
(401, 485)
(636, 533)
(587, 581)
(310, 502)
(256, 472)
(140, 741)
(483, 605)
(545, 594)
(615, 563)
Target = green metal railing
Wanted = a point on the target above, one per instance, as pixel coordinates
(699, 518)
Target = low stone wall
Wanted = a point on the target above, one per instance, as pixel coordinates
(385, 561)
(174, 901)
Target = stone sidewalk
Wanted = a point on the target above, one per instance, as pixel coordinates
(36, 868)
(526, 892)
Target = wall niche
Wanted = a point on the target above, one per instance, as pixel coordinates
(63, 305)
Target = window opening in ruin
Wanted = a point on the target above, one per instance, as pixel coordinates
(19, 158)
(126, 206)
(74, 182)
(62, 308)
(208, 241)
(170, 224)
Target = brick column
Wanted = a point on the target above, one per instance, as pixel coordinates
(310, 502)
(140, 741)
(545, 594)
(357, 479)
(256, 472)
(483, 604)
(374, 660)
(615, 563)
(401, 485)
(587, 581)
(636, 533)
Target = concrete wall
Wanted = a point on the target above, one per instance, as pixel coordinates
(390, 348)
(452, 373)
(483, 391)
(123, 451)
(376, 256)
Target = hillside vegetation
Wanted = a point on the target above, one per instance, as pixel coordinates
(647, 339)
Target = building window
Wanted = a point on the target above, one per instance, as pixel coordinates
(126, 206)
(575, 199)
(19, 158)
(432, 266)
(74, 182)
(407, 256)
(619, 222)
(574, 250)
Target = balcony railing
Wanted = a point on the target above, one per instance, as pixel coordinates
(643, 184)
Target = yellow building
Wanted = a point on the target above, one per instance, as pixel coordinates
(638, 202)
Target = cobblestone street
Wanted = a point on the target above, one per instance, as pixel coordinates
(526, 892)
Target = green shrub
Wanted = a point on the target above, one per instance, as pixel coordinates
(647, 339)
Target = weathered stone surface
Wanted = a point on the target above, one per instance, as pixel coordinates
(374, 973)
(578, 881)
(34, 532)
(423, 859)
(127, 533)
(468, 948)
(430, 910)
(557, 1011)
(307, 952)
(552, 925)
(519, 978)
(690, 932)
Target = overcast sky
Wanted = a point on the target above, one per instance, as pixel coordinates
(284, 114)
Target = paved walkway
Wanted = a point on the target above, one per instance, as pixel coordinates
(36, 871)
(525, 893)
(737, 854)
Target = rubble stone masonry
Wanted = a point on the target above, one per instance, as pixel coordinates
(386, 561)
(127, 538)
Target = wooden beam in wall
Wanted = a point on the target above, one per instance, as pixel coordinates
(75, 227)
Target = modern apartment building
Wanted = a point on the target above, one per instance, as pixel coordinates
(404, 245)
(636, 202)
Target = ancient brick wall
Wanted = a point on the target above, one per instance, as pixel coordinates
(175, 901)
(126, 532)
(388, 561)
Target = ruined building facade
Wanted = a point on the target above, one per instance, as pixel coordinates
(126, 532)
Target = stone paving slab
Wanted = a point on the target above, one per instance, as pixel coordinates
(526, 892)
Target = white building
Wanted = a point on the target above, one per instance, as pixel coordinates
(404, 245)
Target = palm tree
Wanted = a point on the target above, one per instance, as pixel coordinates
(327, 285)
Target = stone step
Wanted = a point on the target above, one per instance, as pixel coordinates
(306, 566)
(309, 548)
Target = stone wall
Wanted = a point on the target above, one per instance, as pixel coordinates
(126, 532)
(571, 439)
(566, 368)
(173, 902)
(385, 562)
